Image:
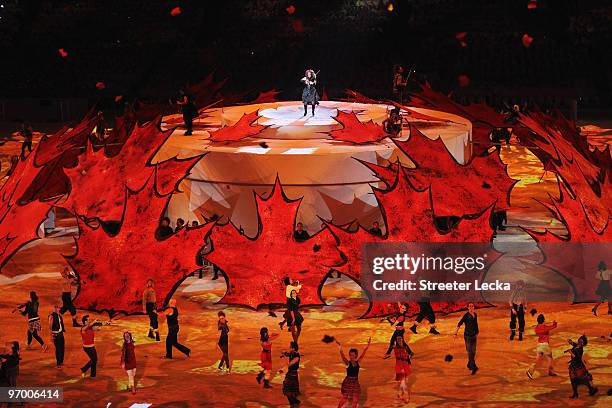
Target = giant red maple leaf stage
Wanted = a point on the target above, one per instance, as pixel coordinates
(255, 267)
(113, 270)
(355, 131)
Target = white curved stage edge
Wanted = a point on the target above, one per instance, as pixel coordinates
(310, 164)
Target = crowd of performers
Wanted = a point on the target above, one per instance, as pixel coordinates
(293, 319)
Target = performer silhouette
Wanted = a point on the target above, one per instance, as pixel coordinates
(309, 94)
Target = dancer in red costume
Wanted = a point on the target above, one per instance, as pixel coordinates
(266, 356)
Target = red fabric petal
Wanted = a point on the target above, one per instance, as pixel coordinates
(355, 131)
(245, 127)
(113, 270)
(256, 267)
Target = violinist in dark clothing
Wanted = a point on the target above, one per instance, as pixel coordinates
(9, 366)
(189, 111)
(30, 309)
(28, 134)
(579, 375)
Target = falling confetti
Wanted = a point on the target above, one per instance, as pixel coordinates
(527, 40)
(62, 52)
(328, 339)
(290, 10)
(100, 85)
(175, 11)
(464, 80)
(461, 38)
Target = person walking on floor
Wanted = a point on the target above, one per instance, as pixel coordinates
(128, 360)
(172, 315)
(470, 333)
(56, 326)
(518, 304)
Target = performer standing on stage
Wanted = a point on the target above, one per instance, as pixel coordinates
(30, 309)
(172, 314)
(543, 350)
(56, 325)
(578, 373)
(291, 384)
(27, 133)
(128, 359)
(70, 281)
(266, 356)
(351, 390)
(604, 289)
(399, 327)
(309, 94)
(518, 304)
(223, 343)
(470, 333)
(403, 354)
(189, 111)
(149, 303)
(290, 286)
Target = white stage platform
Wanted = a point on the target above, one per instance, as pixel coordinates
(309, 163)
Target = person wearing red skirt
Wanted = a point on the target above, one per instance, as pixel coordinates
(128, 360)
(403, 353)
(266, 356)
(351, 390)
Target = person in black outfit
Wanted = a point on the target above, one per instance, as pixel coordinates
(498, 221)
(300, 234)
(223, 342)
(425, 312)
(309, 93)
(291, 384)
(30, 309)
(189, 111)
(470, 333)
(399, 328)
(294, 317)
(70, 280)
(172, 314)
(578, 372)
(27, 133)
(164, 230)
(56, 326)
(375, 230)
(9, 366)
